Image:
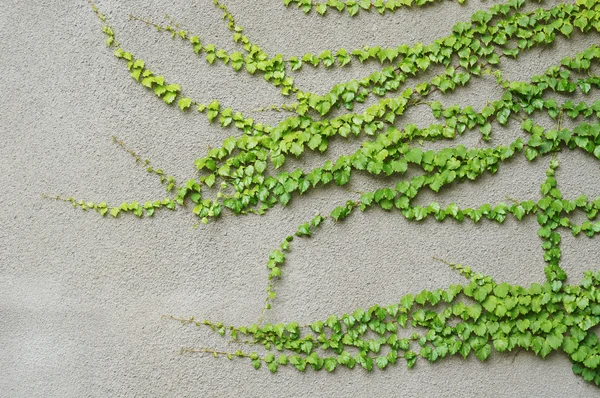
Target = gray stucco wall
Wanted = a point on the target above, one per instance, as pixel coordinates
(81, 297)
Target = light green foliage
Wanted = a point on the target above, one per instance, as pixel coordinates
(352, 7)
(544, 317)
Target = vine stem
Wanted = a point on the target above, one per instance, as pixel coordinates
(133, 17)
(214, 352)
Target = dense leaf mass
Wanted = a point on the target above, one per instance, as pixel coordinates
(476, 317)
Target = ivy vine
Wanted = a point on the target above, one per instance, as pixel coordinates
(475, 317)
(354, 6)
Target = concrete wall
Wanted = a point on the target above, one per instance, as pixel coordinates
(81, 297)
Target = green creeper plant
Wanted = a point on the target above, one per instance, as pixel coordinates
(354, 6)
(477, 317)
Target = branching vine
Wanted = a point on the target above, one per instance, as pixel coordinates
(472, 318)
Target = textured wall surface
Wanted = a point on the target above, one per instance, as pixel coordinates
(81, 297)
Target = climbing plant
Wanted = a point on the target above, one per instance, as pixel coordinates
(477, 317)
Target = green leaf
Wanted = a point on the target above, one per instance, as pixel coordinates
(304, 230)
(184, 103)
(330, 364)
(474, 311)
(296, 148)
(414, 155)
(169, 97)
(272, 366)
(407, 301)
(483, 352)
(500, 345)
(490, 303)
(566, 29)
(502, 290)
(282, 360)
(364, 361)
(381, 362)
(323, 107)
(278, 160)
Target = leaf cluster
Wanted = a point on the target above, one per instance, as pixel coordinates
(248, 175)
